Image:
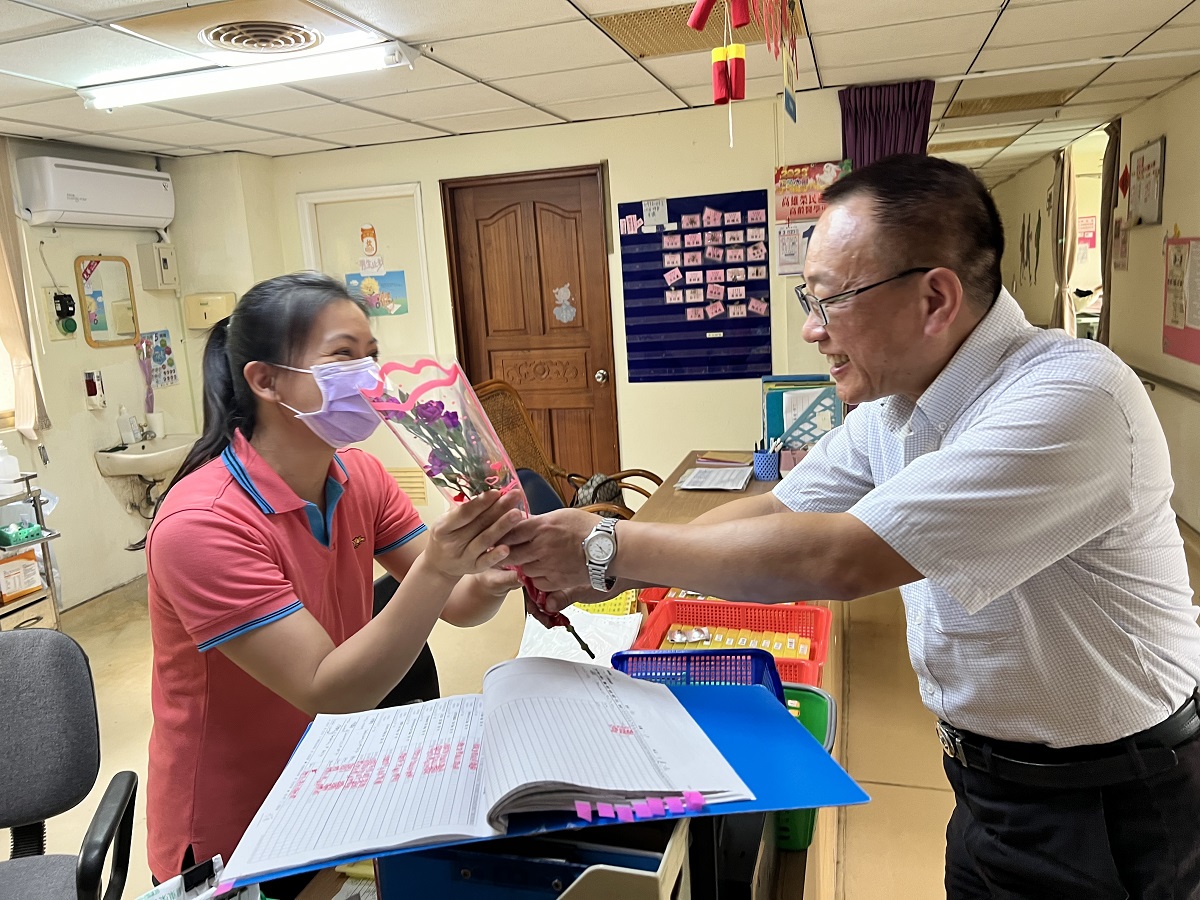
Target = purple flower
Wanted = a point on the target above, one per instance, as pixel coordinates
(451, 419)
(430, 411)
(436, 466)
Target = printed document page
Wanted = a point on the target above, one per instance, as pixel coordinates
(363, 782)
(558, 732)
(729, 478)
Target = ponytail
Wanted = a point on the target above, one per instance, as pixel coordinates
(271, 323)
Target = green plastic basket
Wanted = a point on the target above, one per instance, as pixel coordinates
(817, 712)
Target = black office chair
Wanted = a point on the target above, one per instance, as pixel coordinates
(539, 494)
(421, 681)
(49, 760)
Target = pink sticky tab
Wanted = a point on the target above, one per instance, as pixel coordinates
(605, 811)
(624, 813)
(694, 800)
(675, 804)
(642, 810)
(656, 806)
(584, 810)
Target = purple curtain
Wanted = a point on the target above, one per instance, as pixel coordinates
(881, 120)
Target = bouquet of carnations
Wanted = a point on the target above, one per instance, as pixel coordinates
(432, 409)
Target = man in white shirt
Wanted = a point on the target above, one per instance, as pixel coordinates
(1015, 484)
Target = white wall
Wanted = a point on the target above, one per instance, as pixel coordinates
(1137, 294)
(1018, 200)
(92, 513)
(661, 155)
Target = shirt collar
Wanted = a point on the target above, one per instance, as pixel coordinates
(968, 371)
(264, 485)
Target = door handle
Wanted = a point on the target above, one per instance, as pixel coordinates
(601, 376)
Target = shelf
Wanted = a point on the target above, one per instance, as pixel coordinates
(20, 603)
(48, 535)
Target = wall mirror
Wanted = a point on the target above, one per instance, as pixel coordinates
(106, 302)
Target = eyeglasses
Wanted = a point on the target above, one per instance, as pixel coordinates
(809, 302)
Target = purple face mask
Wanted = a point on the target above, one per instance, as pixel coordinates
(345, 417)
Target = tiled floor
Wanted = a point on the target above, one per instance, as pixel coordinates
(894, 846)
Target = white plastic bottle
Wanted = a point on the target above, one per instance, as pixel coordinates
(10, 469)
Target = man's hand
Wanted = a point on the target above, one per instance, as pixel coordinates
(549, 549)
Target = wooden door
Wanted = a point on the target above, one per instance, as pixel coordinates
(529, 274)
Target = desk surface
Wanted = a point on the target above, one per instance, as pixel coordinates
(666, 505)
(678, 507)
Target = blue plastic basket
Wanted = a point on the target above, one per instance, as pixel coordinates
(702, 667)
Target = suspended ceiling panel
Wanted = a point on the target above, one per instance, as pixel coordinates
(825, 16)
(423, 76)
(530, 51)
(865, 46)
(616, 80)
(91, 55)
(1025, 24)
(383, 134)
(695, 69)
(1053, 80)
(300, 121)
(663, 31)
(1042, 53)
(17, 21)
(419, 21)
(655, 101)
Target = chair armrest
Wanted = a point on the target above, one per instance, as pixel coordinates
(113, 819)
(608, 509)
(639, 473)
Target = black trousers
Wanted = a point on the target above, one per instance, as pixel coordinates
(1139, 839)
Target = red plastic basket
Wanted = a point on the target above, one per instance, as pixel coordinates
(811, 622)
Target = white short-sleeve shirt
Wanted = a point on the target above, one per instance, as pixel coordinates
(1030, 485)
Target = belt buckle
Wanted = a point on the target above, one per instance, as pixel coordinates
(951, 743)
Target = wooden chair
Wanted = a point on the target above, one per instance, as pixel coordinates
(514, 427)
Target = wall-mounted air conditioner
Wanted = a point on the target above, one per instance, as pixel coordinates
(57, 191)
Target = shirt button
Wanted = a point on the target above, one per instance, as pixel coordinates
(941, 426)
(918, 619)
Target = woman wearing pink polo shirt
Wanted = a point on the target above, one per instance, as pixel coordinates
(260, 566)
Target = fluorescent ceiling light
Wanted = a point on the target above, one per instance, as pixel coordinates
(235, 78)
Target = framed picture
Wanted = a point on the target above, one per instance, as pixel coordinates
(1147, 170)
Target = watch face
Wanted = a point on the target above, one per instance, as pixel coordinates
(601, 548)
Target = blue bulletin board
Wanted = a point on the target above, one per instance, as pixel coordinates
(697, 288)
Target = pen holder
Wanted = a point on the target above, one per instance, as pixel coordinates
(766, 465)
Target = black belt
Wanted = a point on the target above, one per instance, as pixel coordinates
(1140, 755)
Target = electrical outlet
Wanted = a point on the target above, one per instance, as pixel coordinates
(52, 323)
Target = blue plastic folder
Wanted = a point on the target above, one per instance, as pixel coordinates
(780, 762)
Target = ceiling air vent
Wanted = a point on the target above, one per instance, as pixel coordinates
(261, 37)
(649, 33)
(986, 106)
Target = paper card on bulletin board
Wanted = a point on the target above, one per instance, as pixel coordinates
(1181, 299)
(698, 290)
(385, 294)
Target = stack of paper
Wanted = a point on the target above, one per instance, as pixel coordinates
(713, 459)
(721, 479)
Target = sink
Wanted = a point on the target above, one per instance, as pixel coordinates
(155, 460)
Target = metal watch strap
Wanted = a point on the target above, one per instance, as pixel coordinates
(598, 572)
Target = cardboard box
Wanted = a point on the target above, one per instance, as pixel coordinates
(19, 576)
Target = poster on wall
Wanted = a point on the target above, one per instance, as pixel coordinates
(162, 358)
(798, 189)
(1181, 299)
(1120, 246)
(385, 294)
(697, 287)
(1147, 166)
(791, 247)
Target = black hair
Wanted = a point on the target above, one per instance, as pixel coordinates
(271, 323)
(933, 212)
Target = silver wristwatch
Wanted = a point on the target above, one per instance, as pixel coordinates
(599, 549)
